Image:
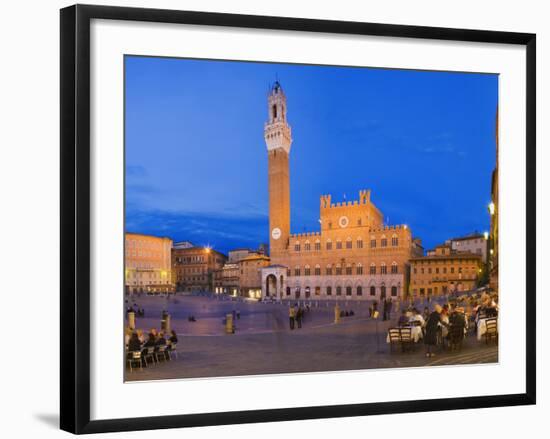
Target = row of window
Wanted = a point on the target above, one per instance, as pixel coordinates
(348, 244)
(189, 259)
(339, 291)
(443, 270)
(348, 270)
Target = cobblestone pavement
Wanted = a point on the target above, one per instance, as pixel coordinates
(263, 343)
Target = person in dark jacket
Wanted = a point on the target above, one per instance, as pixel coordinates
(134, 345)
(161, 340)
(432, 326)
(173, 337)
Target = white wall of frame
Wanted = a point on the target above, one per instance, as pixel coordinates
(29, 172)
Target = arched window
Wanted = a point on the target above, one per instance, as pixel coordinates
(359, 290)
(394, 267)
(338, 244)
(394, 240)
(348, 291)
(307, 270)
(297, 246)
(317, 245)
(383, 268)
(338, 270)
(317, 270)
(359, 268)
(348, 242)
(329, 270)
(329, 291)
(383, 241)
(288, 291)
(297, 270)
(373, 291)
(372, 268)
(307, 246)
(329, 245)
(348, 269)
(359, 242)
(338, 291)
(394, 291)
(372, 241)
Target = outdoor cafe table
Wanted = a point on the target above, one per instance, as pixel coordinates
(416, 332)
(482, 327)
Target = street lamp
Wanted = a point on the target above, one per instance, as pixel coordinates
(491, 208)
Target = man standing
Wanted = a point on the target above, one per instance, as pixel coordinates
(291, 316)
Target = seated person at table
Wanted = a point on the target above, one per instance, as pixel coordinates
(403, 319)
(134, 344)
(161, 340)
(151, 341)
(173, 337)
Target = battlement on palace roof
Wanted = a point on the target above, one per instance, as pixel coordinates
(305, 235)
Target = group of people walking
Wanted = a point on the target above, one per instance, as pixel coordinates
(296, 315)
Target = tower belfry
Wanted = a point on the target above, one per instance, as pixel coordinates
(277, 134)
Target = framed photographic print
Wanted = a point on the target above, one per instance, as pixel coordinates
(268, 218)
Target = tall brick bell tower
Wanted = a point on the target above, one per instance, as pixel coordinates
(278, 138)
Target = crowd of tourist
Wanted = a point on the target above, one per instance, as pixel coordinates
(449, 323)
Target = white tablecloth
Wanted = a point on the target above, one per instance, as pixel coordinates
(416, 334)
(482, 327)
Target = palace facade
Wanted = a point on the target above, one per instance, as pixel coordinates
(353, 256)
(147, 264)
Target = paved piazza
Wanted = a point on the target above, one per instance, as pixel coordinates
(264, 344)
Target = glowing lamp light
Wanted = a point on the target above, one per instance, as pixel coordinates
(491, 208)
(486, 235)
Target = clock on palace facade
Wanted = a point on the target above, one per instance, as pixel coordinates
(343, 221)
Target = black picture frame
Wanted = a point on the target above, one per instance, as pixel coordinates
(75, 217)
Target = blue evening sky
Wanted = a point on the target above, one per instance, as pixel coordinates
(196, 161)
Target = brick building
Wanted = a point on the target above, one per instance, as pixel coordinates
(193, 268)
(443, 271)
